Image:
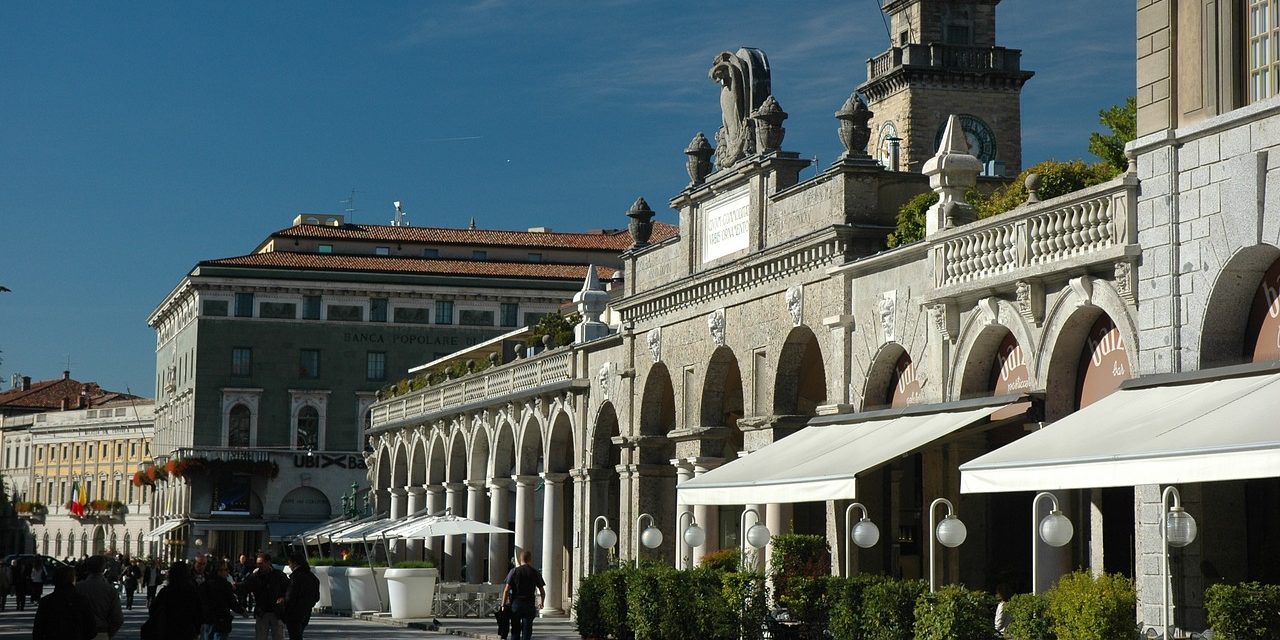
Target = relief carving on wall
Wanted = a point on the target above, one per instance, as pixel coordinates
(1124, 281)
(1029, 299)
(604, 380)
(715, 324)
(945, 320)
(795, 304)
(888, 306)
(655, 344)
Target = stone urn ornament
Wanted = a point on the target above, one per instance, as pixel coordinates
(641, 226)
(855, 127)
(698, 163)
(769, 131)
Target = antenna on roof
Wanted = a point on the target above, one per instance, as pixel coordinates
(401, 219)
(472, 226)
(350, 210)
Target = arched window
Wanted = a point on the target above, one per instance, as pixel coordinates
(238, 426)
(308, 428)
(57, 542)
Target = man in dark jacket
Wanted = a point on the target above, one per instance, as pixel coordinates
(268, 587)
(104, 602)
(63, 614)
(217, 601)
(303, 594)
(132, 575)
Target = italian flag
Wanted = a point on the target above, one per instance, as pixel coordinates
(77, 500)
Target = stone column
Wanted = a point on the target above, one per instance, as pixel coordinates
(525, 486)
(476, 541)
(499, 514)
(708, 515)
(776, 517)
(627, 513)
(417, 502)
(435, 504)
(455, 502)
(840, 327)
(553, 542)
(684, 471)
(398, 503)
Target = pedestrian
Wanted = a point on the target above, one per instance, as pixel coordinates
(65, 614)
(21, 571)
(132, 575)
(175, 613)
(151, 578)
(6, 583)
(268, 587)
(200, 571)
(518, 589)
(242, 572)
(104, 602)
(1002, 611)
(303, 594)
(38, 576)
(217, 601)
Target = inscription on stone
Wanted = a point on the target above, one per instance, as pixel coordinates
(725, 224)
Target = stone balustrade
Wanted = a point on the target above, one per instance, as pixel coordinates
(944, 56)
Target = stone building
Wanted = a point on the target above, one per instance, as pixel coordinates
(268, 362)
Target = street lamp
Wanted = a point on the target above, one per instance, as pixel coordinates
(606, 538)
(1178, 529)
(1055, 529)
(650, 537)
(951, 532)
(865, 534)
(692, 536)
(757, 536)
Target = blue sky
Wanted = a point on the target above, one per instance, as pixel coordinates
(139, 138)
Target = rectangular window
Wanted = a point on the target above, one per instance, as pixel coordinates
(431, 253)
(957, 34)
(510, 314)
(324, 248)
(444, 312)
(413, 315)
(535, 257)
(479, 255)
(76, 456)
(278, 310)
(475, 318)
(215, 308)
(376, 365)
(244, 305)
(377, 310)
(345, 312)
(242, 362)
(309, 363)
(531, 319)
(310, 307)
(119, 450)
(1263, 42)
(382, 251)
(133, 449)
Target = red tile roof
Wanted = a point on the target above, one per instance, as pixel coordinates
(606, 240)
(47, 395)
(396, 264)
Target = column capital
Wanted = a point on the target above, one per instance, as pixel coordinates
(681, 463)
(554, 478)
(526, 481)
(703, 465)
(500, 483)
(416, 491)
(476, 485)
(452, 487)
(398, 492)
(589, 474)
(434, 489)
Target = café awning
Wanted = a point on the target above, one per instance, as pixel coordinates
(822, 462)
(165, 527)
(1158, 430)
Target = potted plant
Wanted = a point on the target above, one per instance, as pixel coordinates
(411, 588)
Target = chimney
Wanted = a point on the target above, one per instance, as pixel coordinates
(66, 375)
(26, 383)
(63, 404)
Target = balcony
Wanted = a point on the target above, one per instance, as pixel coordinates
(1089, 227)
(514, 378)
(947, 57)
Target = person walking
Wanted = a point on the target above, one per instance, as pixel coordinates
(268, 587)
(104, 602)
(38, 576)
(303, 594)
(242, 572)
(132, 575)
(151, 578)
(65, 614)
(175, 613)
(217, 601)
(6, 583)
(518, 589)
(21, 572)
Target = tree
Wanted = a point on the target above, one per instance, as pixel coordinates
(1122, 120)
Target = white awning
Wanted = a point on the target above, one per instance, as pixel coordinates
(321, 535)
(165, 527)
(1207, 431)
(288, 531)
(821, 463)
(368, 530)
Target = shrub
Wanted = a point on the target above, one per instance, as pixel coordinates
(889, 609)
(1056, 179)
(1246, 610)
(955, 613)
(644, 600)
(1084, 608)
(745, 596)
(1029, 617)
(692, 605)
(808, 599)
(613, 603)
(844, 596)
(723, 560)
(586, 606)
(794, 555)
(911, 220)
(415, 564)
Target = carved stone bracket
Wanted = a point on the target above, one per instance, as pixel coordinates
(654, 339)
(946, 320)
(715, 325)
(1030, 300)
(990, 309)
(795, 304)
(1124, 280)
(1083, 288)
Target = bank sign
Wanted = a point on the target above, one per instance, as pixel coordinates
(725, 224)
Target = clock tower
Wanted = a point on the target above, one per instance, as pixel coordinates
(943, 60)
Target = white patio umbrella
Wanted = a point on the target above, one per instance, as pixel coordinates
(442, 525)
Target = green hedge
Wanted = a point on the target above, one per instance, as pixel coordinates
(587, 606)
(955, 613)
(1029, 617)
(845, 596)
(613, 603)
(656, 602)
(1082, 607)
(415, 564)
(889, 609)
(1248, 610)
(795, 555)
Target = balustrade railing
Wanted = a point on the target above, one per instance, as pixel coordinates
(945, 56)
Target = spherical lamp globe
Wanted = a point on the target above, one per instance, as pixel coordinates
(606, 538)
(695, 536)
(651, 538)
(1056, 529)
(1179, 527)
(951, 532)
(866, 534)
(758, 536)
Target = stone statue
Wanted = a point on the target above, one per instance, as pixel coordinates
(744, 85)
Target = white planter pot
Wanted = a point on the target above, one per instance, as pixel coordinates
(412, 592)
(339, 588)
(365, 594)
(326, 598)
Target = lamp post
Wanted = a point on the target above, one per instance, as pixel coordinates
(605, 538)
(1055, 529)
(757, 536)
(1177, 528)
(951, 532)
(650, 537)
(865, 534)
(691, 536)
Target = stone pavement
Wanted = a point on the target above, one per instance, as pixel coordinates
(483, 628)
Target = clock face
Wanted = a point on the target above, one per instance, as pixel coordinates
(982, 143)
(887, 131)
